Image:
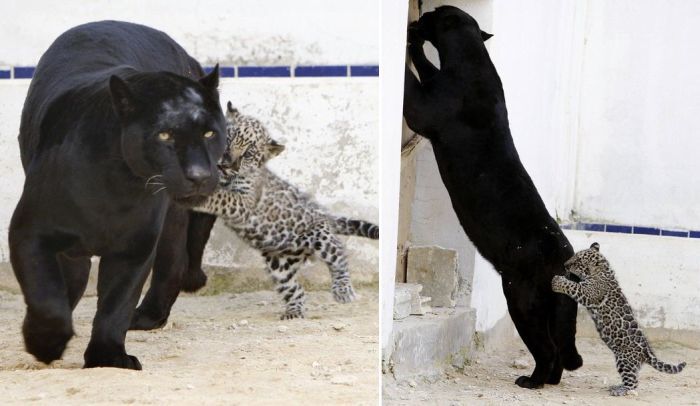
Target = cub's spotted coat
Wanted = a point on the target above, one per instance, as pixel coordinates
(273, 216)
(600, 293)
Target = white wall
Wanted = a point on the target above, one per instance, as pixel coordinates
(330, 125)
(394, 17)
(330, 129)
(240, 32)
(602, 100)
(537, 53)
(640, 102)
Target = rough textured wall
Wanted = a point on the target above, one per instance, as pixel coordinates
(330, 129)
(245, 32)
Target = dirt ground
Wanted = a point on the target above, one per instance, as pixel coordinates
(489, 381)
(224, 349)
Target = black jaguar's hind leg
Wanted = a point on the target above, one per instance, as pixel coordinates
(119, 283)
(169, 266)
(198, 233)
(563, 329)
(529, 309)
(76, 272)
(48, 324)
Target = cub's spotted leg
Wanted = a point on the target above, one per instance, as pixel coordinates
(628, 370)
(283, 270)
(331, 251)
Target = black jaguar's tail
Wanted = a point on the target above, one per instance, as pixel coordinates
(346, 226)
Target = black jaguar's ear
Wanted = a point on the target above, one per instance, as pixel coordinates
(211, 81)
(275, 148)
(122, 97)
(595, 246)
(485, 35)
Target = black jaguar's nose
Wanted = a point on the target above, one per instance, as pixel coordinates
(197, 174)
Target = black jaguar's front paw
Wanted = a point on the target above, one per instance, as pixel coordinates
(527, 383)
(193, 280)
(46, 337)
(124, 361)
(415, 38)
(141, 320)
(555, 376)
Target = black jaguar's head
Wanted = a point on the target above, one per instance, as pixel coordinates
(173, 132)
(450, 24)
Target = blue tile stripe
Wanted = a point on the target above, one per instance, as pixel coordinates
(625, 229)
(23, 72)
(364, 70)
(229, 71)
(319, 71)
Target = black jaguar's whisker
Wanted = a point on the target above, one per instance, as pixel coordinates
(163, 188)
(148, 181)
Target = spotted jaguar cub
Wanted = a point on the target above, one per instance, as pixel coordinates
(273, 216)
(600, 293)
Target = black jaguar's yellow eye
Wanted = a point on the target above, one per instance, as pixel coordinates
(209, 134)
(164, 136)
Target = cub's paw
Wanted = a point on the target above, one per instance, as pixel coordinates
(558, 283)
(343, 293)
(620, 390)
(527, 383)
(292, 314)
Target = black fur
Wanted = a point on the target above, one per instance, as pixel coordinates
(461, 109)
(90, 147)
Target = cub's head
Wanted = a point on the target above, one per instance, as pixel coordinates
(450, 24)
(173, 131)
(588, 263)
(249, 144)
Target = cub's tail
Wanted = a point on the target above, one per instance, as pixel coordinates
(664, 367)
(346, 226)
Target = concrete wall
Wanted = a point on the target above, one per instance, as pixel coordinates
(574, 109)
(237, 32)
(329, 125)
(640, 101)
(330, 129)
(394, 13)
(601, 99)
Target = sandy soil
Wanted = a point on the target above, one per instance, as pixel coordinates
(224, 349)
(489, 381)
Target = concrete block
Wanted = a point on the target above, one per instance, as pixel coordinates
(418, 304)
(436, 269)
(424, 346)
(402, 303)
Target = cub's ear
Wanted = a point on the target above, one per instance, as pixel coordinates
(595, 246)
(230, 110)
(122, 98)
(485, 35)
(275, 148)
(211, 81)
